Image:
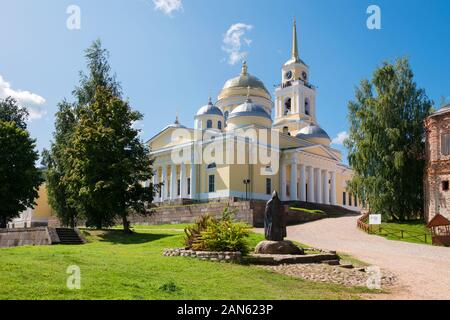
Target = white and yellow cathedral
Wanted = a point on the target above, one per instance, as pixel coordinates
(310, 169)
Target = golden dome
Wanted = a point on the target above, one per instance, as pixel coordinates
(239, 85)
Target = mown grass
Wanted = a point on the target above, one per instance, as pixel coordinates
(118, 266)
(306, 210)
(413, 231)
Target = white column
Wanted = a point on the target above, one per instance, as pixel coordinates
(193, 175)
(183, 189)
(302, 183)
(297, 102)
(155, 182)
(318, 179)
(311, 184)
(283, 182)
(294, 196)
(164, 187)
(325, 187)
(173, 182)
(333, 188)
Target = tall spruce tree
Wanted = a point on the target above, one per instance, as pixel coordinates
(57, 166)
(386, 141)
(111, 162)
(19, 177)
(81, 169)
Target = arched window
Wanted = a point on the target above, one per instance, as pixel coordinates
(307, 107)
(226, 115)
(209, 124)
(287, 107)
(219, 125)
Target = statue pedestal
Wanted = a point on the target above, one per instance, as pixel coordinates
(278, 247)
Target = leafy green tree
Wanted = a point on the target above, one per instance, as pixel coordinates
(63, 196)
(10, 111)
(19, 177)
(109, 161)
(57, 166)
(386, 141)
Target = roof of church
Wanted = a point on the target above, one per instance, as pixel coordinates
(209, 109)
(248, 109)
(312, 131)
(245, 80)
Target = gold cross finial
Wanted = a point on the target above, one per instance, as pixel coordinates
(244, 68)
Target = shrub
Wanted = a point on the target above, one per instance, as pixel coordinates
(193, 233)
(221, 235)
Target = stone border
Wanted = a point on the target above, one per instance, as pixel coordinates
(204, 255)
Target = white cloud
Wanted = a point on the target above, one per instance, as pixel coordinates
(31, 101)
(340, 138)
(233, 41)
(168, 6)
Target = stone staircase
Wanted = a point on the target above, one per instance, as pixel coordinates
(330, 210)
(69, 236)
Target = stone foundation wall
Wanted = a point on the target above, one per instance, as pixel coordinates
(292, 217)
(189, 213)
(22, 237)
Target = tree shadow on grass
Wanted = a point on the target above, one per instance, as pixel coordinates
(119, 237)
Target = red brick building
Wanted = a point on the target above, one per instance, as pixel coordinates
(437, 177)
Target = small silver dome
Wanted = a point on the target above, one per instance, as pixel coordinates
(209, 109)
(249, 109)
(312, 131)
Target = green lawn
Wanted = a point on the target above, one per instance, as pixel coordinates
(118, 266)
(413, 231)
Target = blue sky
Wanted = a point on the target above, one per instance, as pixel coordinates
(172, 61)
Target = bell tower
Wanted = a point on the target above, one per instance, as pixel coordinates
(295, 98)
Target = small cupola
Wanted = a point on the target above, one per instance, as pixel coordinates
(209, 117)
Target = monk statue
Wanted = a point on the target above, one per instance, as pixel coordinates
(274, 220)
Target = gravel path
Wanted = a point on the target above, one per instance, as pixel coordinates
(423, 271)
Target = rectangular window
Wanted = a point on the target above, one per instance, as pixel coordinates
(189, 186)
(268, 186)
(178, 187)
(344, 198)
(350, 199)
(445, 185)
(356, 201)
(212, 182)
(445, 144)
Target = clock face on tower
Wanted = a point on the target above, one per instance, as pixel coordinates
(288, 75)
(304, 75)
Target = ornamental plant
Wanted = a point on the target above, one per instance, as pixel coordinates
(224, 235)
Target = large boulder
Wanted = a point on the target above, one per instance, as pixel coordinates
(278, 247)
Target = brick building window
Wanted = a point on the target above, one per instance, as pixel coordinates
(445, 144)
(445, 185)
